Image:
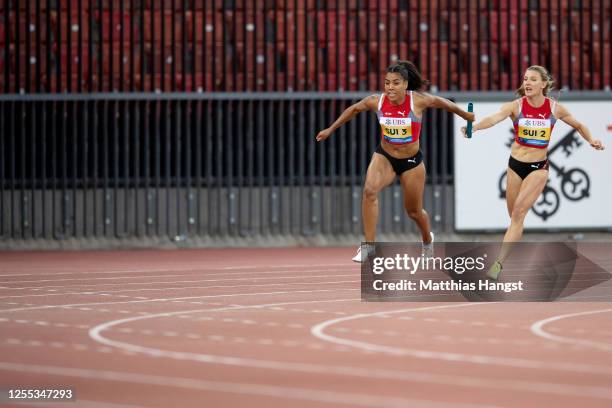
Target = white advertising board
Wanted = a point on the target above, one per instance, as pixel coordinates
(579, 190)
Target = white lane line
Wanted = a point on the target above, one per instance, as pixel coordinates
(319, 332)
(350, 371)
(263, 390)
(147, 280)
(114, 292)
(68, 306)
(538, 329)
(198, 269)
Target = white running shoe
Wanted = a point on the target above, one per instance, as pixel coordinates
(363, 252)
(427, 250)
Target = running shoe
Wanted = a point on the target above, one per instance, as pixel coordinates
(427, 250)
(494, 270)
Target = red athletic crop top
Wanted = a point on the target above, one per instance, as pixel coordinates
(534, 126)
(398, 123)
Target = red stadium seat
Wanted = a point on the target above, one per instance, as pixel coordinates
(442, 62)
(536, 52)
(358, 62)
(540, 31)
(119, 21)
(458, 27)
(607, 79)
(328, 81)
(506, 82)
(303, 56)
(281, 84)
(569, 61)
(116, 4)
(337, 26)
(2, 77)
(279, 20)
(341, 4)
(2, 32)
(166, 21)
(243, 82)
(588, 35)
(493, 26)
(515, 4)
(75, 61)
(596, 80)
(570, 24)
(301, 28)
(72, 27)
(197, 35)
(188, 85)
(106, 62)
(167, 82)
(63, 4)
(597, 56)
(185, 28)
(372, 28)
(499, 24)
(213, 28)
(383, 5)
(67, 83)
(215, 56)
(251, 58)
(207, 82)
(297, 5)
(375, 82)
(238, 23)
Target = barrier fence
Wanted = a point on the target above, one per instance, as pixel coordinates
(208, 165)
(114, 165)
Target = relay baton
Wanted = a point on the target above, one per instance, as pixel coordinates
(469, 122)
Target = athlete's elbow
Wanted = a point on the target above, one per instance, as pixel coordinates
(580, 128)
(353, 110)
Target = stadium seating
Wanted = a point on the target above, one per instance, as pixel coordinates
(307, 45)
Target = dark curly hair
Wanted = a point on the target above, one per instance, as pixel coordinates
(410, 73)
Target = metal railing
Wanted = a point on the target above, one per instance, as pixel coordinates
(180, 165)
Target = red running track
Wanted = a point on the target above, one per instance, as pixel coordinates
(281, 328)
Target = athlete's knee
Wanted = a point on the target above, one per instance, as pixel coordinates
(414, 213)
(370, 192)
(519, 213)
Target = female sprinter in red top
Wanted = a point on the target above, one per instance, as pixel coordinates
(399, 111)
(534, 116)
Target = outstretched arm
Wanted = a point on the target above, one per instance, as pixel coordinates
(564, 115)
(431, 101)
(367, 103)
(504, 112)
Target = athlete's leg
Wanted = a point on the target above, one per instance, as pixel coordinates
(513, 186)
(413, 185)
(530, 190)
(379, 175)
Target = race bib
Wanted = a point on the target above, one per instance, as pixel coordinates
(534, 131)
(396, 130)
